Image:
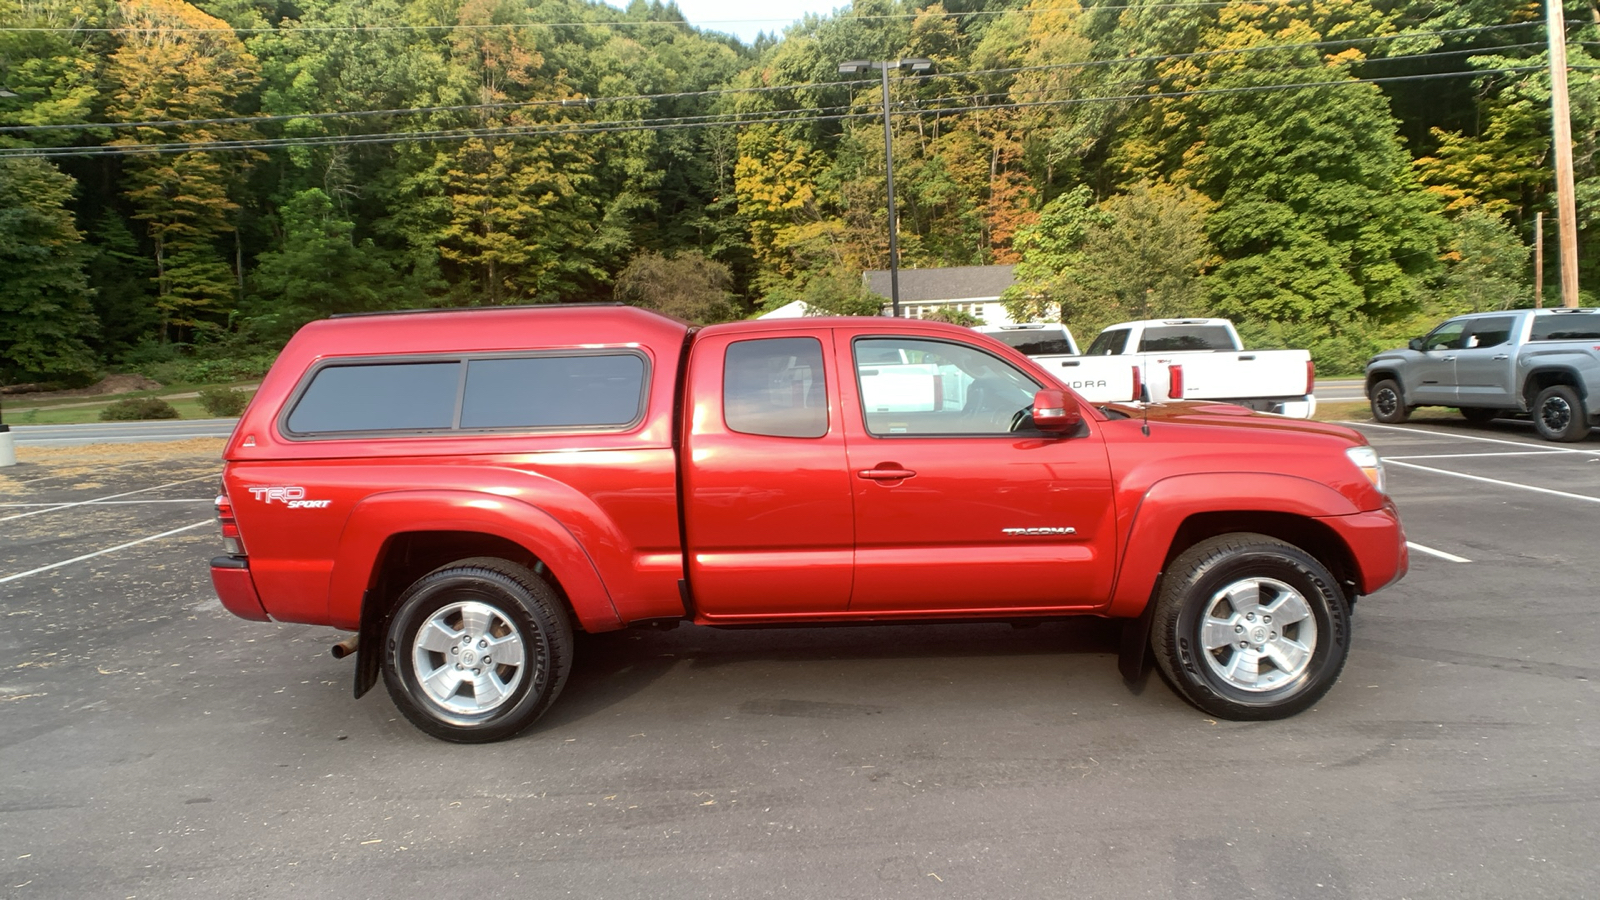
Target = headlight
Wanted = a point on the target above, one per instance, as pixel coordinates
(1366, 459)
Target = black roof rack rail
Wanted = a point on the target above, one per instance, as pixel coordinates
(462, 309)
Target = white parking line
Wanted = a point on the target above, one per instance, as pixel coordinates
(1439, 553)
(103, 499)
(112, 503)
(1478, 455)
(1509, 484)
(1470, 437)
(68, 562)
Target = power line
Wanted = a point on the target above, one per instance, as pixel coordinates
(590, 101)
(379, 28)
(817, 114)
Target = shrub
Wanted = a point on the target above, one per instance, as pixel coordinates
(224, 402)
(134, 409)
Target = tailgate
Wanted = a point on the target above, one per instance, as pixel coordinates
(1231, 374)
(1097, 379)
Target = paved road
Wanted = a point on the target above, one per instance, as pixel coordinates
(151, 745)
(1341, 389)
(121, 432)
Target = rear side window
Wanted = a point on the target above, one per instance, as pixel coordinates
(553, 392)
(775, 387)
(1490, 332)
(549, 391)
(1109, 343)
(1172, 338)
(379, 397)
(1566, 327)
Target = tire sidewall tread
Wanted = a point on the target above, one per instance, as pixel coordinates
(1577, 428)
(522, 596)
(1184, 594)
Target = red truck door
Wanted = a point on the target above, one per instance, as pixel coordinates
(766, 497)
(954, 510)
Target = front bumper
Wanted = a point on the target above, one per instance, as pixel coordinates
(1377, 543)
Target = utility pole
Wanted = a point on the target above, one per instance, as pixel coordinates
(1566, 204)
(857, 67)
(1538, 260)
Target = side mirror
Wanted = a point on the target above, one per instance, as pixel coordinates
(1416, 344)
(1056, 412)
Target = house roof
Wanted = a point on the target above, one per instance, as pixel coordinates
(944, 284)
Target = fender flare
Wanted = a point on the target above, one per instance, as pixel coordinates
(1162, 511)
(380, 517)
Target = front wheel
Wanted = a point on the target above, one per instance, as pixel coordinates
(477, 650)
(1249, 627)
(1388, 404)
(1559, 415)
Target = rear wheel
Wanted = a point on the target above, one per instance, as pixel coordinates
(1478, 415)
(1388, 404)
(477, 650)
(1559, 415)
(1249, 627)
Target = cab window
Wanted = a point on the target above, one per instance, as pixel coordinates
(1446, 336)
(939, 388)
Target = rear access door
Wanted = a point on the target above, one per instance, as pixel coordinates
(767, 507)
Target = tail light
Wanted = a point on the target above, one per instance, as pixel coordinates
(1138, 385)
(1175, 385)
(1311, 376)
(229, 525)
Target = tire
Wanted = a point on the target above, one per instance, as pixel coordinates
(1559, 414)
(448, 622)
(1479, 415)
(1388, 404)
(1231, 587)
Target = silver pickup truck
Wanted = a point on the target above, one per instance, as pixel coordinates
(1543, 363)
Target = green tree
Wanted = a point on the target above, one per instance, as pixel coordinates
(44, 296)
(321, 270)
(1139, 255)
(689, 286)
(178, 63)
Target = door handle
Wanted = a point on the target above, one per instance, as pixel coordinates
(1070, 363)
(884, 473)
(1449, 359)
(1247, 356)
(1501, 356)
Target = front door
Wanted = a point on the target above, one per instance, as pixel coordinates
(1431, 378)
(960, 505)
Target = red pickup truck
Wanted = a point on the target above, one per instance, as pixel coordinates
(465, 488)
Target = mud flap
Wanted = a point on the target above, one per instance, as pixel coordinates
(1133, 657)
(370, 647)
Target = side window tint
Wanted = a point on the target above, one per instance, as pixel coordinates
(775, 387)
(1109, 343)
(1445, 337)
(940, 388)
(553, 391)
(378, 397)
(1490, 332)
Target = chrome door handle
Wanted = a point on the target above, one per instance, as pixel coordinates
(885, 474)
(1501, 356)
(1449, 359)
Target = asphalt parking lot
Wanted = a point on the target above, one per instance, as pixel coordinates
(151, 745)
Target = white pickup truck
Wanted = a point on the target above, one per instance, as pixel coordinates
(1188, 359)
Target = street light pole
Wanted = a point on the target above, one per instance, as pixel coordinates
(856, 67)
